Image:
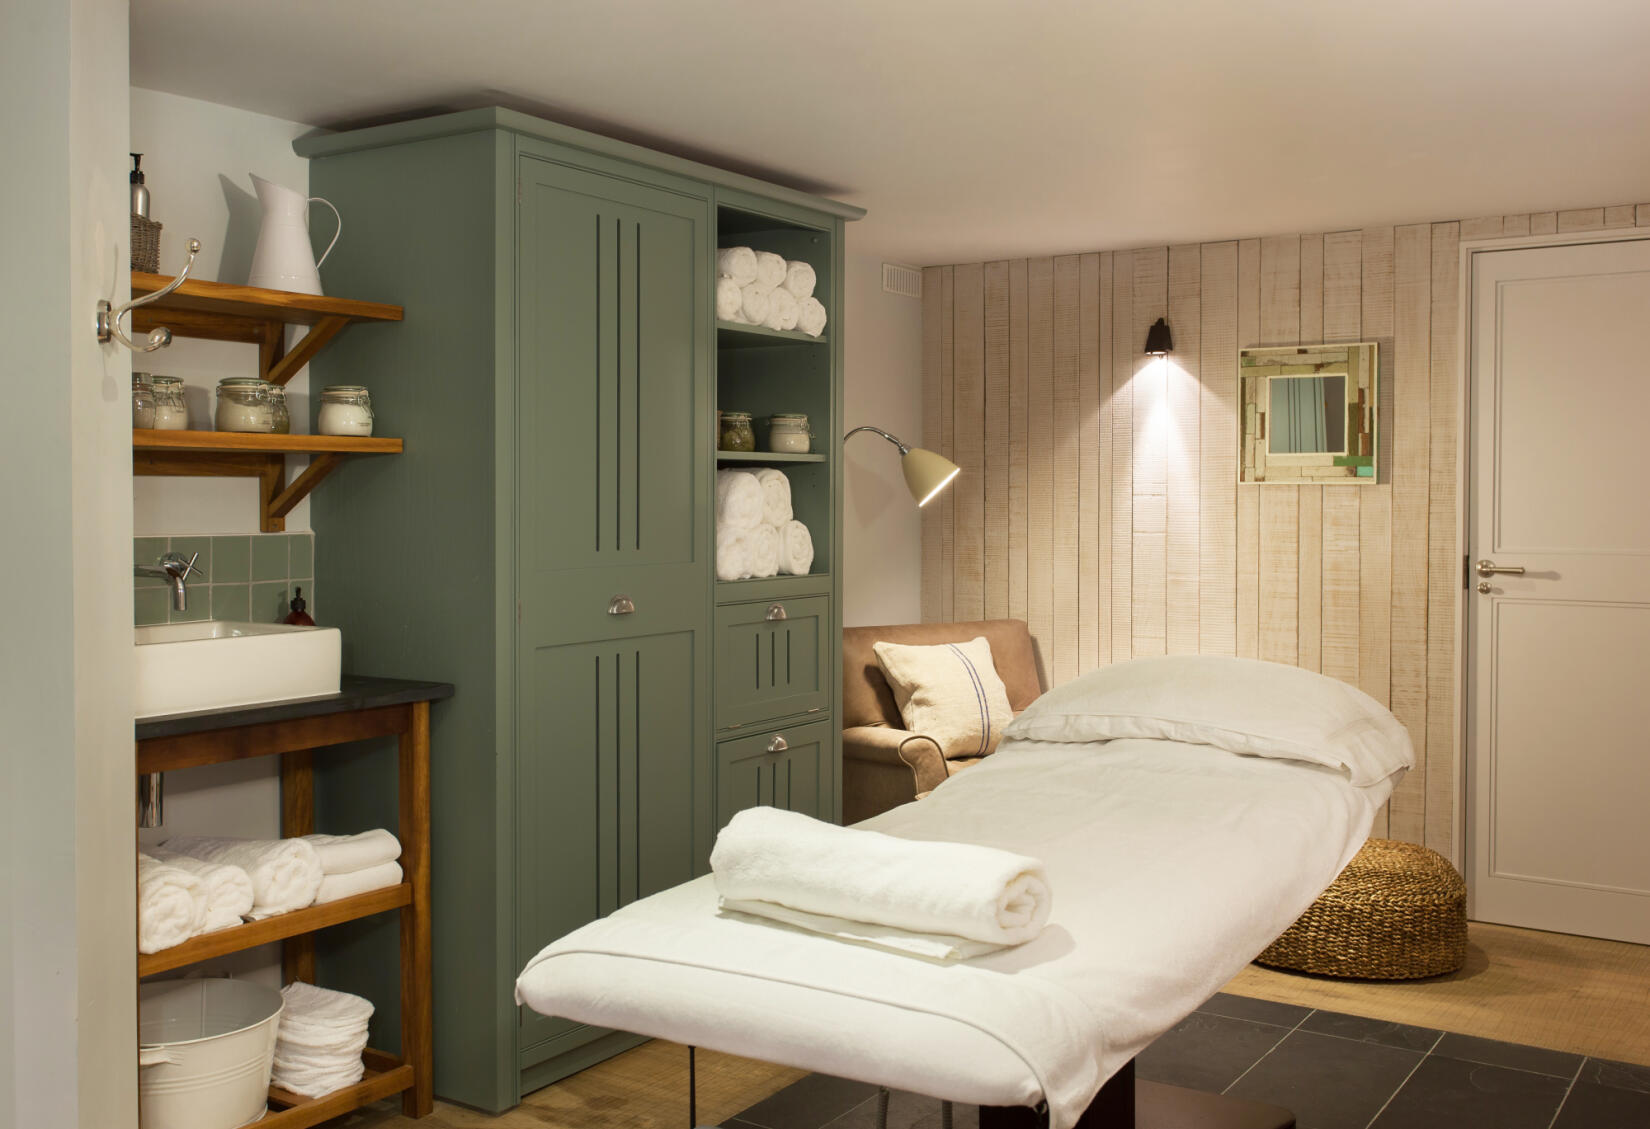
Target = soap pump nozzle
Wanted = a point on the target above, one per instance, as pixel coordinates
(140, 193)
(297, 616)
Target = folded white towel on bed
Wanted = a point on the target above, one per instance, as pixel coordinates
(796, 549)
(931, 946)
(732, 553)
(800, 279)
(770, 269)
(340, 854)
(960, 890)
(171, 905)
(810, 316)
(776, 495)
(753, 302)
(730, 300)
(739, 499)
(763, 545)
(350, 883)
(782, 309)
(737, 263)
(228, 889)
(285, 873)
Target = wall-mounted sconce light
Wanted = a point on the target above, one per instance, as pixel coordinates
(1159, 341)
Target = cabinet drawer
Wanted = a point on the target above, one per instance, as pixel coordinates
(781, 768)
(773, 660)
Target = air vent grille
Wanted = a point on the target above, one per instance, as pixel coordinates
(900, 279)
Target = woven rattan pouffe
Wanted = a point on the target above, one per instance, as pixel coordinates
(1397, 912)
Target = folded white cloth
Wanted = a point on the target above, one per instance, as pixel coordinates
(763, 542)
(319, 1040)
(753, 302)
(730, 300)
(228, 888)
(770, 268)
(732, 554)
(782, 309)
(285, 873)
(776, 495)
(796, 549)
(810, 317)
(737, 263)
(171, 905)
(800, 279)
(932, 946)
(953, 889)
(739, 499)
(340, 854)
(352, 882)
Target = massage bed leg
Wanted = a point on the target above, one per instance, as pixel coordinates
(693, 1092)
(882, 1107)
(945, 1115)
(1123, 1103)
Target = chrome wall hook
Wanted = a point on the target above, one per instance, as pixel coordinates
(108, 318)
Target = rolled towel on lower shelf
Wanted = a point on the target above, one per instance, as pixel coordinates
(796, 549)
(319, 1041)
(171, 905)
(739, 500)
(764, 550)
(228, 889)
(776, 495)
(285, 873)
(732, 554)
(351, 883)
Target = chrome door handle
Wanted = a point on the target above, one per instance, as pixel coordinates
(777, 744)
(776, 611)
(1490, 568)
(621, 605)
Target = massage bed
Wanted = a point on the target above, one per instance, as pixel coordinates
(1172, 863)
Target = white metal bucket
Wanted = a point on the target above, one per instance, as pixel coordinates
(205, 1054)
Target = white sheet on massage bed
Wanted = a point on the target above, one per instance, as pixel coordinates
(1171, 867)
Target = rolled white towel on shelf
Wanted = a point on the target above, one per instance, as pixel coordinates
(730, 300)
(770, 268)
(737, 263)
(228, 888)
(958, 890)
(739, 499)
(796, 549)
(776, 495)
(171, 905)
(753, 303)
(732, 554)
(782, 309)
(810, 317)
(764, 550)
(352, 882)
(340, 854)
(800, 279)
(285, 873)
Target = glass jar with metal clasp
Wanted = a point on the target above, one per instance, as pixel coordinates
(143, 401)
(736, 433)
(244, 405)
(788, 433)
(280, 418)
(171, 412)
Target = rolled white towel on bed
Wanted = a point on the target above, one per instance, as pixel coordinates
(739, 499)
(796, 549)
(763, 542)
(730, 300)
(285, 873)
(949, 889)
(732, 554)
(171, 905)
(776, 496)
(800, 279)
(228, 889)
(340, 854)
(737, 263)
(810, 317)
(770, 268)
(352, 882)
(753, 303)
(782, 309)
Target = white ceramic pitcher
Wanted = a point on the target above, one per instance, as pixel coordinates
(283, 259)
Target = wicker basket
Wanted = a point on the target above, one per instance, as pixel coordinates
(145, 244)
(1397, 912)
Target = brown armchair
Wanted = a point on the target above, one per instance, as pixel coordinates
(883, 764)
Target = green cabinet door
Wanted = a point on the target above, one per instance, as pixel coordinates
(773, 660)
(783, 768)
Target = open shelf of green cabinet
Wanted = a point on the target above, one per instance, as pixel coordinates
(762, 458)
(733, 335)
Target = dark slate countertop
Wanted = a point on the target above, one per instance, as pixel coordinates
(356, 692)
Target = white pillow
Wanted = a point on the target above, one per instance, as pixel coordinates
(1240, 705)
(949, 692)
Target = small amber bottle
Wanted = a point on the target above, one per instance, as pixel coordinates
(298, 617)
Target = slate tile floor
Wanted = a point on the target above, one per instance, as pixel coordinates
(1334, 1071)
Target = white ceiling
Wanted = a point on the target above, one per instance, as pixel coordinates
(975, 130)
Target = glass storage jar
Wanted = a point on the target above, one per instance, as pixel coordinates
(280, 418)
(171, 413)
(244, 405)
(736, 432)
(346, 409)
(788, 433)
(143, 400)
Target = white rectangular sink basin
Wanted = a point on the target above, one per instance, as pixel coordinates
(218, 663)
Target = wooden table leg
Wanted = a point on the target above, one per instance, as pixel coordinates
(417, 983)
(298, 818)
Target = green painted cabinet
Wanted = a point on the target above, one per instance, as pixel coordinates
(544, 544)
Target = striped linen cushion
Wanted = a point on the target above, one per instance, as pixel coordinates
(949, 692)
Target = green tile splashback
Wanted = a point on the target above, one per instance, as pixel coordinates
(243, 577)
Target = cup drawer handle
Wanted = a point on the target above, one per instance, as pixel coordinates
(776, 611)
(621, 605)
(777, 744)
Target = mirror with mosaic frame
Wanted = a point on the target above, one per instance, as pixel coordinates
(1308, 414)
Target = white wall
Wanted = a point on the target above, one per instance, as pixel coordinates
(196, 157)
(881, 526)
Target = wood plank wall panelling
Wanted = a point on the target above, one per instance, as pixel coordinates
(1099, 498)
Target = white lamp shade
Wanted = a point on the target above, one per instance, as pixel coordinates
(926, 473)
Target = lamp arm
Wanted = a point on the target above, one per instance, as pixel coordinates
(903, 449)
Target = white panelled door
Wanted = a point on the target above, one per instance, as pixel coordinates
(1559, 659)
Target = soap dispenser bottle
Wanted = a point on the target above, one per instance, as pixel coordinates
(297, 616)
(140, 193)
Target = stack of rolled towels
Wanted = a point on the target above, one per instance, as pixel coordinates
(200, 884)
(940, 901)
(761, 288)
(319, 1040)
(756, 532)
